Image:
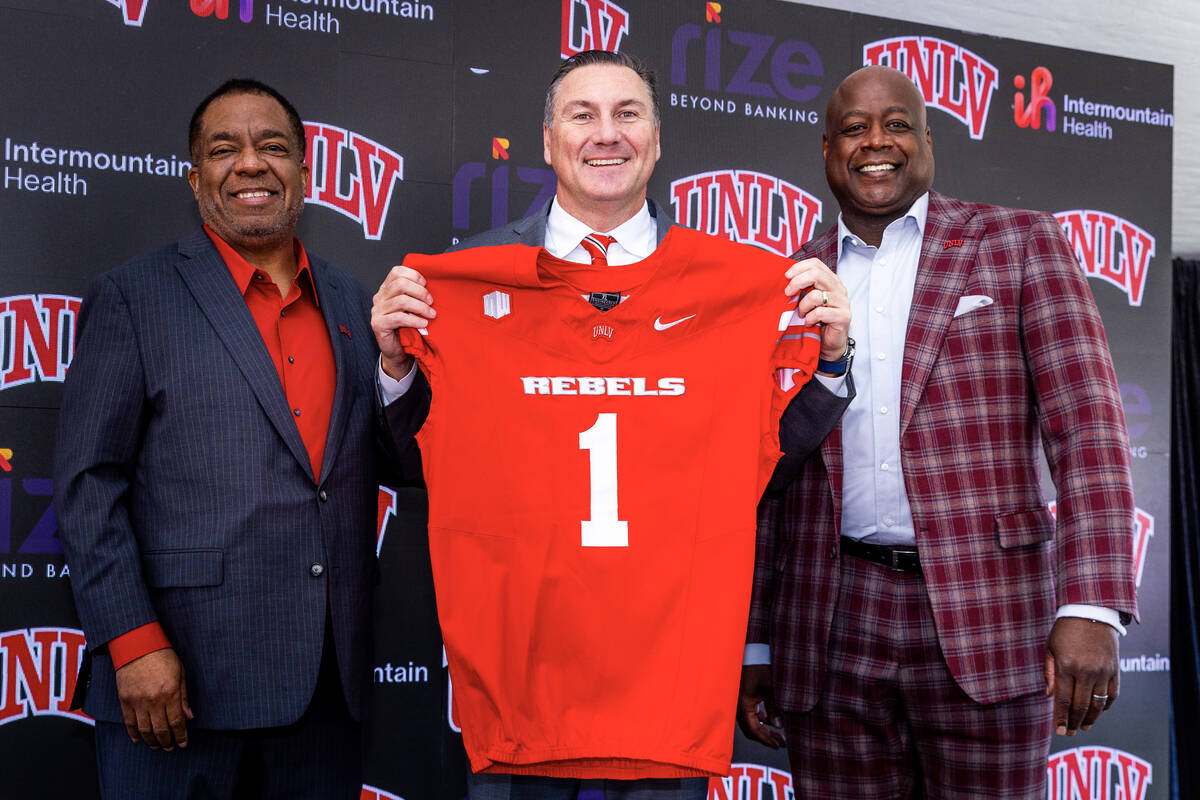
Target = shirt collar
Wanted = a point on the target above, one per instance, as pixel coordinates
(637, 235)
(243, 271)
(917, 212)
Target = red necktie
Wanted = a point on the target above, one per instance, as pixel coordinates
(597, 246)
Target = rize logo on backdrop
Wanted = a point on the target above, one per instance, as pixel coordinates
(1143, 530)
(351, 174)
(497, 181)
(1029, 113)
(950, 77)
(751, 782)
(1110, 248)
(592, 25)
(746, 206)
(37, 338)
(1097, 773)
(769, 69)
(40, 667)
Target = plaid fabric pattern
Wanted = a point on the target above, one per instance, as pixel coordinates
(980, 394)
(891, 708)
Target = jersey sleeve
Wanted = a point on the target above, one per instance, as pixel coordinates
(794, 361)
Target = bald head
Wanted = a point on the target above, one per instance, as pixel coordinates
(878, 149)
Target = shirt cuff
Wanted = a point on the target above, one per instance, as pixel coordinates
(136, 643)
(756, 653)
(389, 388)
(835, 383)
(1096, 613)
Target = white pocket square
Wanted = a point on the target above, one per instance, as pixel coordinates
(971, 302)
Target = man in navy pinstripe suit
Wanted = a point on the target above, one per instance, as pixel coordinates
(215, 487)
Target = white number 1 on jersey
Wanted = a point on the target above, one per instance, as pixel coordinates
(603, 529)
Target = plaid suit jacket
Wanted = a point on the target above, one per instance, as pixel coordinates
(979, 392)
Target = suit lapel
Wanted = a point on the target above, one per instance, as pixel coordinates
(947, 252)
(213, 288)
(333, 310)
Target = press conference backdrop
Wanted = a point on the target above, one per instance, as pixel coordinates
(423, 123)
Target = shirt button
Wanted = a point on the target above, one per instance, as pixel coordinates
(888, 522)
(881, 356)
(323, 496)
(883, 409)
(291, 360)
(296, 411)
(258, 276)
(878, 309)
(316, 570)
(883, 262)
(283, 313)
(883, 467)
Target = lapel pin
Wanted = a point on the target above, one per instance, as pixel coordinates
(342, 328)
(946, 245)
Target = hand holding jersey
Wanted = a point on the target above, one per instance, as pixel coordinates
(403, 301)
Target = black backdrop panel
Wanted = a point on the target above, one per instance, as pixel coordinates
(424, 123)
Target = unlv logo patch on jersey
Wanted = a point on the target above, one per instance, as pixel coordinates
(497, 304)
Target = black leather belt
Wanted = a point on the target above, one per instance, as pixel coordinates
(899, 558)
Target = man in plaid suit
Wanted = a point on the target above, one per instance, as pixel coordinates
(920, 605)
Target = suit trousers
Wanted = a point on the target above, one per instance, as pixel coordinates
(318, 757)
(489, 786)
(893, 723)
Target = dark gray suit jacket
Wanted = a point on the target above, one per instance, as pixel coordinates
(806, 422)
(184, 493)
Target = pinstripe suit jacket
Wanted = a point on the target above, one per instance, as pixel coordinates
(184, 493)
(979, 392)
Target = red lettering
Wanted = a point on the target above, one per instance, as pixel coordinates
(41, 666)
(1095, 237)
(332, 151)
(43, 337)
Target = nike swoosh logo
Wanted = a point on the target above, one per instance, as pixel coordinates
(659, 325)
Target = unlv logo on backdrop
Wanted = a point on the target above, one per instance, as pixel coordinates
(746, 206)
(132, 11)
(351, 174)
(385, 510)
(592, 25)
(1097, 773)
(1110, 248)
(40, 667)
(1143, 529)
(37, 337)
(752, 782)
(375, 793)
(950, 77)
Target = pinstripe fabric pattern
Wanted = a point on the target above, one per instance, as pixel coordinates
(184, 493)
(980, 393)
(888, 694)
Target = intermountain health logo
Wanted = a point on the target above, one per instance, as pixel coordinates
(747, 206)
(293, 14)
(950, 77)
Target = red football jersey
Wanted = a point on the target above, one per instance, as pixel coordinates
(593, 478)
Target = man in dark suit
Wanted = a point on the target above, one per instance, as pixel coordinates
(215, 487)
(601, 137)
(919, 602)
